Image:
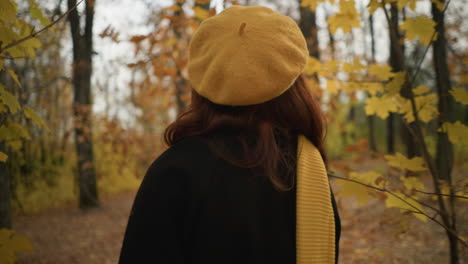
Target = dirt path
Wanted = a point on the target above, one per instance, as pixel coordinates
(70, 236)
(370, 234)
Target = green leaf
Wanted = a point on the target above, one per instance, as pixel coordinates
(8, 10)
(37, 13)
(14, 77)
(32, 115)
(9, 100)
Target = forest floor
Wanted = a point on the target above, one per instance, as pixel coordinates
(370, 234)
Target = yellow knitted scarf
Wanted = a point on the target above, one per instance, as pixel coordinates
(315, 222)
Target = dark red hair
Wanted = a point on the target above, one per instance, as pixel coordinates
(267, 132)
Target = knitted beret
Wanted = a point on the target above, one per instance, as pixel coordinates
(246, 55)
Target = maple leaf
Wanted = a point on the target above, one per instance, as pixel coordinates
(350, 189)
(373, 5)
(401, 161)
(420, 27)
(412, 183)
(393, 201)
(353, 67)
(9, 100)
(312, 4)
(371, 178)
(403, 3)
(421, 89)
(395, 85)
(346, 18)
(383, 72)
(200, 12)
(460, 95)
(380, 106)
(425, 107)
(456, 132)
(372, 87)
(332, 86)
(313, 66)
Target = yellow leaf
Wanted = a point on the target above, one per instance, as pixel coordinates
(31, 114)
(421, 89)
(330, 67)
(202, 2)
(401, 161)
(36, 13)
(439, 4)
(403, 3)
(9, 100)
(346, 18)
(14, 77)
(3, 157)
(350, 189)
(383, 72)
(460, 95)
(201, 13)
(313, 66)
(11, 244)
(173, 8)
(456, 132)
(374, 5)
(412, 183)
(8, 10)
(332, 86)
(395, 85)
(372, 87)
(425, 107)
(353, 67)
(421, 27)
(413, 205)
(312, 4)
(380, 106)
(371, 178)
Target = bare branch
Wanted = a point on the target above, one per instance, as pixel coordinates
(34, 34)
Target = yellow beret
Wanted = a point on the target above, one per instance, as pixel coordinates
(246, 55)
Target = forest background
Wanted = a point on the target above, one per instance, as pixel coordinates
(87, 88)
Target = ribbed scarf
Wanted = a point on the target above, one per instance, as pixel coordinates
(315, 222)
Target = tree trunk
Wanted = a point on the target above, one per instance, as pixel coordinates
(82, 107)
(371, 118)
(5, 193)
(444, 155)
(308, 27)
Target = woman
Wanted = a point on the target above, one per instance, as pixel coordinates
(244, 179)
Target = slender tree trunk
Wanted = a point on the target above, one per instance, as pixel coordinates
(371, 118)
(82, 106)
(444, 155)
(5, 193)
(308, 27)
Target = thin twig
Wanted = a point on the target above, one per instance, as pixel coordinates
(34, 34)
(406, 202)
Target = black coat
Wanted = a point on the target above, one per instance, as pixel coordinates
(193, 207)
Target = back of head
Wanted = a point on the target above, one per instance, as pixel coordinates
(251, 86)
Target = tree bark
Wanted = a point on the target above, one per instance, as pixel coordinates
(371, 118)
(5, 193)
(308, 26)
(82, 106)
(444, 153)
